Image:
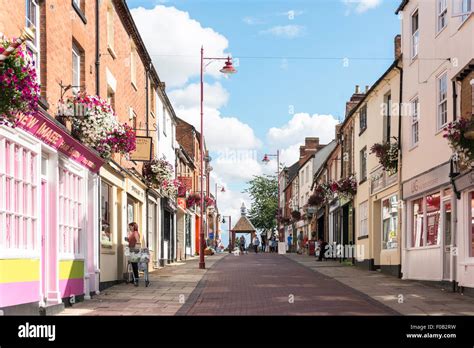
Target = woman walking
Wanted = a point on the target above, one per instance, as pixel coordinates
(134, 243)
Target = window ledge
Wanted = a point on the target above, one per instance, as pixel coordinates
(440, 31)
(423, 248)
(112, 52)
(464, 21)
(362, 131)
(413, 147)
(362, 181)
(79, 12)
(134, 86)
(363, 237)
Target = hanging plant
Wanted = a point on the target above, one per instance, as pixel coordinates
(322, 195)
(158, 173)
(121, 140)
(193, 199)
(209, 202)
(19, 88)
(459, 135)
(296, 215)
(346, 188)
(182, 190)
(387, 153)
(96, 124)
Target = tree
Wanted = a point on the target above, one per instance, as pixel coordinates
(263, 191)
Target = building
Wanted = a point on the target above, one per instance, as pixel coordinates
(434, 246)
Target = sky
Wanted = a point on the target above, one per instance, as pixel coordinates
(298, 62)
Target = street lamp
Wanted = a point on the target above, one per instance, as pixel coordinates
(266, 159)
(227, 69)
(230, 222)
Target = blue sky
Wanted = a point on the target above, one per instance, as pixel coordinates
(243, 109)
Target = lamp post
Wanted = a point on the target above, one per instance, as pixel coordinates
(230, 222)
(215, 203)
(266, 159)
(227, 69)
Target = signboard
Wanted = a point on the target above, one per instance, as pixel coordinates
(144, 149)
(182, 203)
(425, 182)
(187, 181)
(49, 132)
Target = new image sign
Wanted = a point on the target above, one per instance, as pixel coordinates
(143, 150)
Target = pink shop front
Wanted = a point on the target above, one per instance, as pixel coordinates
(48, 217)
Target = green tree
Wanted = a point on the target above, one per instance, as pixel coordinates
(263, 191)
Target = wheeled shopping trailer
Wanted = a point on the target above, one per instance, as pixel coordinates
(142, 258)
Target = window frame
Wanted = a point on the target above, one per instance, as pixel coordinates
(34, 47)
(363, 119)
(76, 58)
(363, 217)
(440, 102)
(111, 29)
(441, 12)
(363, 164)
(415, 118)
(388, 198)
(415, 35)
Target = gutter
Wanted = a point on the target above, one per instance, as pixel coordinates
(400, 187)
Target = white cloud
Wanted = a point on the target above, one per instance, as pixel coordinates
(215, 95)
(249, 20)
(360, 6)
(174, 41)
(285, 31)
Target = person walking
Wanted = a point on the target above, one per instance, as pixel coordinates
(300, 242)
(242, 244)
(322, 249)
(256, 243)
(289, 240)
(264, 243)
(134, 243)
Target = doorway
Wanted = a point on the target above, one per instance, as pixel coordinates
(447, 237)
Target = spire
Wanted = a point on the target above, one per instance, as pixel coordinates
(243, 210)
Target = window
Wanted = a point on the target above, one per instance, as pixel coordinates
(76, 69)
(417, 223)
(32, 22)
(433, 215)
(389, 223)
(442, 8)
(133, 118)
(165, 121)
(110, 29)
(466, 8)
(111, 98)
(363, 164)
(173, 132)
(70, 212)
(106, 199)
(414, 122)
(387, 118)
(415, 34)
(471, 221)
(153, 100)
(363, 217)
(442, 100)
(18, 198)
(133, 66)
(363, 118)
(78, 3)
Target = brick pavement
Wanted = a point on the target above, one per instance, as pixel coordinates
(416, 298)
(265, 284)
(170, 287)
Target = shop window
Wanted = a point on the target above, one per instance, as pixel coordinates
(471, 220)
(433, 215)
(389, 223)
(106, 200)
(417, 223)
(70, 213)
(18, 193)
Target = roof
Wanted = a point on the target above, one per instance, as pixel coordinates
(292, 172)
(244, 225)
(322, 155)
(402, 6)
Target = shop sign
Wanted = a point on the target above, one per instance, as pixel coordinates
(380, 179)
(187, 181)
(425, 182)
(144, 149)
(135, 190)
(465, 181)
(50, 133)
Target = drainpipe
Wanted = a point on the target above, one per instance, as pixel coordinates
(456, 192)
(147, 190)
(97, 92)
(400, 191)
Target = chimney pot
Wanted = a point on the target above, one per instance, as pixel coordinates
(357, 91)
(367, 88)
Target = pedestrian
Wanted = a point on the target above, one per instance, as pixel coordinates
(134, 244)
(264, 242)
(289, 240)
(256, 243)
(322, 249)
(300, 242)
(242, 244)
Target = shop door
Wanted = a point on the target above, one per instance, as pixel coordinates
(321, 227)
(166, 236)
(188, 235)
(447, 237)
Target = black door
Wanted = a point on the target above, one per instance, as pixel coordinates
(321, 227)
(345, 224)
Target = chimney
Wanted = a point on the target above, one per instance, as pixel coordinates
(302, 151)
(398, 46)
(355, 99)
(311, 143)
(338, 130)
(367, 87)
(357, 90)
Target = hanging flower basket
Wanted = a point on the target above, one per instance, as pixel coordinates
(346, 188)
(19, 88)
(158, 173)
(296, 215)
(94, 123)
(322, 195)
(182, 191)
(387, 153)
(209, 202)
(193, 199)
(459, 135)
(121, 140)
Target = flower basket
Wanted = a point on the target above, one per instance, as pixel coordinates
(158, 173)
(346, 188)
(296, 215)
(322, 195)
(193, 199)
(387, 153)
(19, 87)
(459, 135)
(121, 140)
